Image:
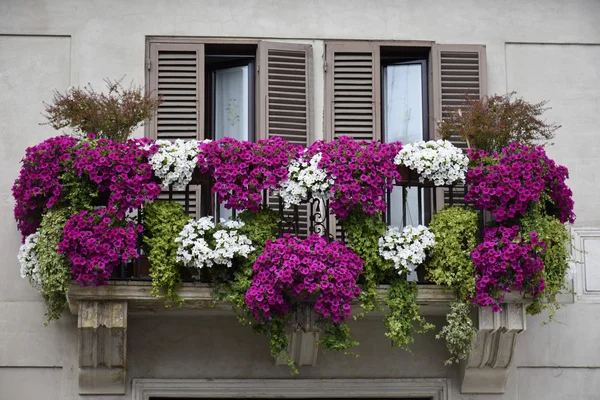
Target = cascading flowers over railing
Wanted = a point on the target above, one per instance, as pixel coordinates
(74, 197)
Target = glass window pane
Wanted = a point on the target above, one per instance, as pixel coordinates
(231, 103)
(403, 112)
(231, 108)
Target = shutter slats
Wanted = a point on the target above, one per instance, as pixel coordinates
(352, 91)
(177, 75)
(460, 72)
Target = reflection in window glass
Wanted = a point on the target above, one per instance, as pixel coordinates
(231, 108)
(403, 112)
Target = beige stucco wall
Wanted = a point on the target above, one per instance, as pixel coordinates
(543, 49)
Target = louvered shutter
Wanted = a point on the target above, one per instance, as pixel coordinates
(458, 71)
(176, 73)
(352, 91)
(284, 91)
(284, 106)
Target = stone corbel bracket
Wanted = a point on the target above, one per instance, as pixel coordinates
(303, 334)
(102, 336)
(487, 366)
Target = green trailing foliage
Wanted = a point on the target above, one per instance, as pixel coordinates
(460, 332)
(404, 318)
(337, 337)
(362, 236)
(231, 286)
(163, 222)
(556, 258)
(54, 270)
(456, 231)
(275, 332)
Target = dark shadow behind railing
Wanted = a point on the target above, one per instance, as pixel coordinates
(306, 219)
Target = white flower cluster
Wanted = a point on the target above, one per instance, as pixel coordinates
(174, 162)
(225, 243)
(27, 258)
(438, 161)
(407, 248)
(305, 178)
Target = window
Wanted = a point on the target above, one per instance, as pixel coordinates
(399, 91)
(245, 89)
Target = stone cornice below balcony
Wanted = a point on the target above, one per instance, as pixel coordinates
(103, 313)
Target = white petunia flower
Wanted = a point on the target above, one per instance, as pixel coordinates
(407, 248)
(226, 243)
(174, 162)
(28, 259)
(438, 161)
(306, 178)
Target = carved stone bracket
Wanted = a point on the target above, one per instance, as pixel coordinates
(486, 369)
(303, 335)
(102, 333)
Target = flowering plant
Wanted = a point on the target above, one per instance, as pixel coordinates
(38, 186)
(28, 260)
(436, 160)
(243, 170)
(122, 169)
(407, 248)
(202, 243)
(506, 260)
(306, 178)
(519, 176)
(292, 267)
(95, 242)
(174, 162)
(361, 172)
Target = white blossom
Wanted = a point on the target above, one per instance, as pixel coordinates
(28, 259)
(305, 178)
(438, 161)
(225, 243)
(407, 248)
(174, 162)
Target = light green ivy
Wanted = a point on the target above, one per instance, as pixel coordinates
(460, 332)
(456, 231)
(404, 319)
(54, 270)
(163, 221)
(556, 258)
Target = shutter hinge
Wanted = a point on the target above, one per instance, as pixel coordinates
(325, 66)
(257, 68)
(148, 64)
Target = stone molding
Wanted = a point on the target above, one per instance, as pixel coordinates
(102, 339)
(435, 389)
(486, 369)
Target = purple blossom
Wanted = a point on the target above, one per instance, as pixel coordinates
(243, 170)
(522, 175)
(95, 243)
(505, 261)
(292, 268)
(363, 181)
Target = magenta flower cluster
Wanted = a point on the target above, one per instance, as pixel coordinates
(121, 169)
(504, 261)
(362, 171)
(293, 268)
(518, 176)
(243, 170)
(95, 243)
(38, 186)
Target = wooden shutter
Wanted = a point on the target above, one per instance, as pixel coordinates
(352, 91)
(284, 91)
(176, 73)
(458, 71)
(284, 101)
